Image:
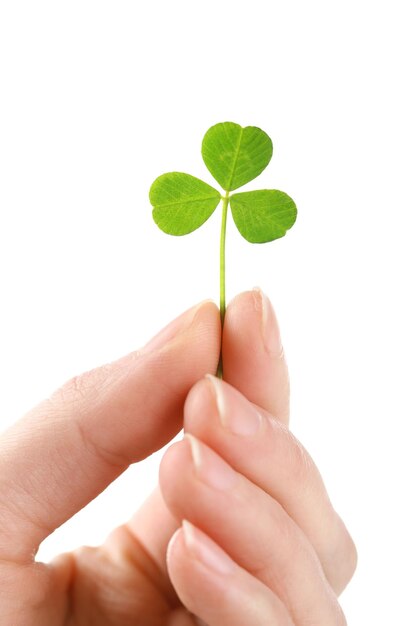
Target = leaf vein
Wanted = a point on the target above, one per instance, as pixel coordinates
(188, 201)
(236, 159)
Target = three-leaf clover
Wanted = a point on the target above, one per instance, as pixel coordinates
(234, 156)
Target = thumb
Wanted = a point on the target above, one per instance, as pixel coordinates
(70, 447)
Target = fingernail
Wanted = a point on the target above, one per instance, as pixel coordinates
(209, 467)
(270, 330)
(205, 550)
(176, 327)
(236, 414)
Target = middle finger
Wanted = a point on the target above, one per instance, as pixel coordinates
(268, 454)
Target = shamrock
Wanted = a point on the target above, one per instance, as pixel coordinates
(234, 156)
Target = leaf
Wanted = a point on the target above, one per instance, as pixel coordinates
(235, 155)
(182, 203)
(262, 216)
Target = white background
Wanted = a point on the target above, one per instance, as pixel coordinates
(99, 98)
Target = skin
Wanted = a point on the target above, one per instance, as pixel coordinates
(261, 542)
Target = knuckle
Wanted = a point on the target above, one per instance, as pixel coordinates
(348, 560)
(78, 397)
(341, 558)
(352, 558)
(293, 458)
(98, 450)
(300, 462)
(288, 548)
(86, 386)
(68, 395)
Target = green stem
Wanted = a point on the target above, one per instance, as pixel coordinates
(223, 275)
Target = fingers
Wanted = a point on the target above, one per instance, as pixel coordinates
(251, 526)
(68, 449)
(262, 375)
(269, 455)
(253, 357)
(154, 536)
(213, 587)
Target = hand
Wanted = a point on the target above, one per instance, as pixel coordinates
(67, 450)
(261, 543)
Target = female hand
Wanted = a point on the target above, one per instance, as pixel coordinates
(283, 565)
(260, 543)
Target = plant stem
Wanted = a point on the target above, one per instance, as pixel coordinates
(223, 275)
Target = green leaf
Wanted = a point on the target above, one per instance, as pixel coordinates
(182, 203)
(235, 155)
(262, 216)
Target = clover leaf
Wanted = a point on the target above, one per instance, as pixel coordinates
(262, 216)
(234, 156)
(182, 202)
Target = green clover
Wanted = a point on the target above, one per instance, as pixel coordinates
(234, 156)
